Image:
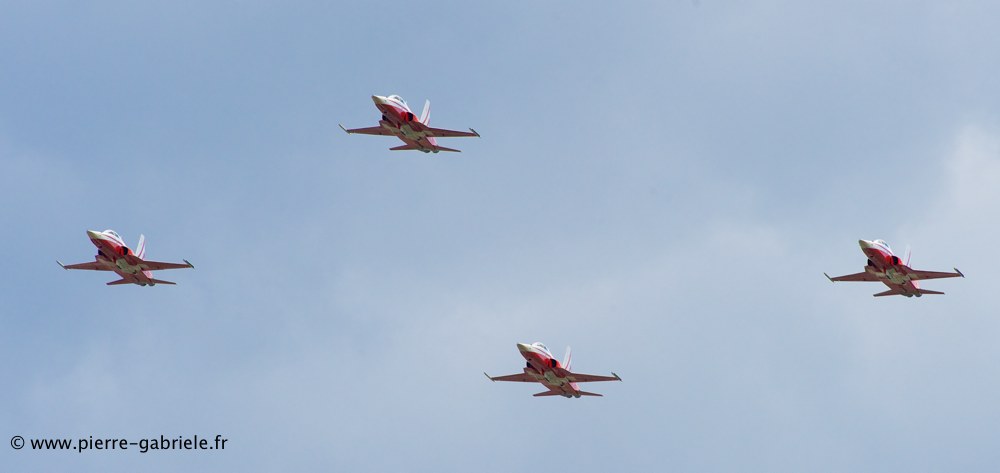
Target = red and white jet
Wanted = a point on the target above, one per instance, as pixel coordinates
(114, 255)
(543, 368)
(886, 267)
(398, 120)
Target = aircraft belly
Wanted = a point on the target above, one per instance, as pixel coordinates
(412, 134)
(126, 268)
(896, 276)
(554, 380)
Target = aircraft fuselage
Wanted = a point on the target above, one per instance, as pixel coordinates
(888, 268)
(117, 257)
(398, 119)
(547, 370)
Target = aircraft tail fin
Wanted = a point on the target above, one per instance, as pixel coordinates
(160, 281)
(585, 393)
(119, 282)
(547, 393)
(568, 359)
(425, 116)
(140, 249)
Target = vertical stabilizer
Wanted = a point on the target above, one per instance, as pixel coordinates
(140, 249)
(568, 359)
(425, 116)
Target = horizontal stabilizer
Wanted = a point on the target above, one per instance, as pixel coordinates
(928, 291)
(890, 292)
(120, 281)
(160, 281)
(548, 393)
(585, 393)
(417, 148)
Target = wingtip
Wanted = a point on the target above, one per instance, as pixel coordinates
(474, 132)
(189, 264)
(616, 376)
(342, 128)
(489, 377)
(63, 266)
(828, 277)
(959, 272)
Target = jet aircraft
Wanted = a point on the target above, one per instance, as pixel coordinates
(543, 368)
(114, 255)
(884, 266)
(398, 120)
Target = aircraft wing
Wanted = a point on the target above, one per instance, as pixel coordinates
(917, 275)
(588, 378)
(156, 265)
(93, 266)
(372, 130)
(853, 277)
(442, 133)
(521, 377)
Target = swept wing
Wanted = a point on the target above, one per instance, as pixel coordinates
(521, 378)
(93, 266)
(918, 275)
(854, 277)
(442, 133)
(156, 265)
(588, 378)
(372, 130)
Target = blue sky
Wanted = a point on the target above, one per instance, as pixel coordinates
(660, 185)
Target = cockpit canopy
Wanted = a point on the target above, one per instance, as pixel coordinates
(114, 234)
(541, 346)
(883, 243)
(397, 99)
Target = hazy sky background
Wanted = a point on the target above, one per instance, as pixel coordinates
(660, 185)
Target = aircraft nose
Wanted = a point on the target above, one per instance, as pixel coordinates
(865, 244)
(378, 99)
(523, 347)
(95, 235)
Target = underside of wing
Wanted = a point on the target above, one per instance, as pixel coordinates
(521, 378)
(93, 266)
(372, 130)
(865, 276)
(442, 133)
(589, 378)
(156, 265)
(918, 275)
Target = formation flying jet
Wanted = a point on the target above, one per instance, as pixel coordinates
(113, 255)
(398, 120)
(543, 368)
(886, 267)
